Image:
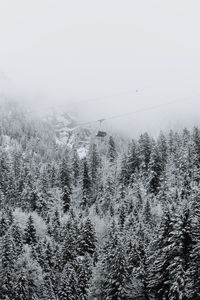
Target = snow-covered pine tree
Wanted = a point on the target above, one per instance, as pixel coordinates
(65, 177)
(113, 281)
(30, 232)
(17, 239)
(66, 199)
(83, 268)
(75, 166)
(68, 288)
(155, 170)
(112, 152)
(7, 267)
(21, 289)
(94, 163)
(88, 238)
(145, 148)
(4, 223)
(86, 186)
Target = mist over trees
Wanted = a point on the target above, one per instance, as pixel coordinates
(121, 223)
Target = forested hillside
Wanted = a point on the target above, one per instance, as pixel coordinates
(121, 223)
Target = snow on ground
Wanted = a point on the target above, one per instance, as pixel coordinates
(6, 142)
(62, 141)
(82, 152)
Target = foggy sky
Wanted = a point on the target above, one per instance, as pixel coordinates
(94, 55)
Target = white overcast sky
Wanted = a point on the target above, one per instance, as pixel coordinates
(63, 51)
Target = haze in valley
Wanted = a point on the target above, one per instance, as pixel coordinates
(104, 58)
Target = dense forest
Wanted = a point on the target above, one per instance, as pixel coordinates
(121, 223)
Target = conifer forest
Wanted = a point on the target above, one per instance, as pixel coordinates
(121, 222)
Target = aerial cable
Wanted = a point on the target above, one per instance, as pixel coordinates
(136, 91)
(145, 109)
(153, 107)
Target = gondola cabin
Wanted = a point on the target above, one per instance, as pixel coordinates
(101, 134)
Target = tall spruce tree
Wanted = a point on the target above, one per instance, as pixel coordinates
(112, 152)
(7, 270)
(66, 199)
(155, 170)
(30, 232)
(113, 279)
(68, 289)
(86, 186)
(88, 238)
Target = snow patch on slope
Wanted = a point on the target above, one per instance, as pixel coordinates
(68, 133)
(82, 152)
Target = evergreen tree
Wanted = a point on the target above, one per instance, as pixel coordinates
(162, 149)
(159, 261)
(112, 152)
(21, 290)
(68, 289)
(124, 177)
(108, 193)
(155, 170)
(131, 163)
(4, 224)
(147, 214)
(193, 271)
(55, 228)
(181, 238)
(49, 257)
(83, 271)
(65, 177)
(145, 152)
(86, 186)
(66, 199)
(173, 258)
(140, 271)
(7, 262)
(69, 247)
(88, 238)
(113, 281)
(94, 163)
(17, 239)
(4, 172)
(122, 216)
(49, 291)
(29, 277)
(30, 232)
(75, 167)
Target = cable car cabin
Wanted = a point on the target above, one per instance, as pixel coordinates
(101, 134)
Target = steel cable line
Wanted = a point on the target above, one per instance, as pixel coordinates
(134, 112)
(135, 91)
